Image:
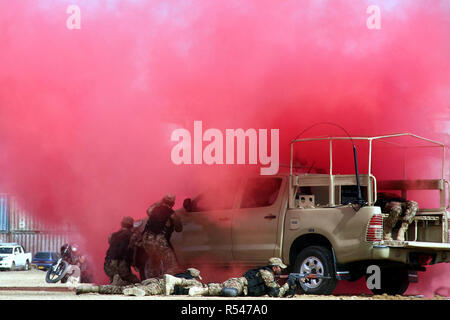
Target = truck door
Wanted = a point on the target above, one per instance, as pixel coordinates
(19, 257)
(206, 234)
(255, 222)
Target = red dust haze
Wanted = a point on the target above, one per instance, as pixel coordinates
(86, 114)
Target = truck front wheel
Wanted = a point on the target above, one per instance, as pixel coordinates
(316, 260)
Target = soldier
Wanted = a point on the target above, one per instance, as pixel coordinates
(178, 285)
(255, 282)
(162, 221)
(117, 260)
(395, 206)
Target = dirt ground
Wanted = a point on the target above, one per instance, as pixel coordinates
(25, 285)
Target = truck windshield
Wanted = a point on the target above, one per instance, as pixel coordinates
(6, 250)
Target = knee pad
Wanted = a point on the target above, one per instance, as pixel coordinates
(229, 292)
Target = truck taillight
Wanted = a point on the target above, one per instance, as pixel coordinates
(374, 231)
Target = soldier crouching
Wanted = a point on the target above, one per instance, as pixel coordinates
(399, 210)
(117, 260)
(162, 221)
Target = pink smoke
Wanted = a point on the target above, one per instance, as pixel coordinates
(86, 115)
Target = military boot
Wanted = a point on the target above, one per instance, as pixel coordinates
(387, 231)
(198, 291)
(86, 289)
(402, 231)
(171, 282)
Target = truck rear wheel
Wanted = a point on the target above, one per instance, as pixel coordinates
(393, 281)
(316, 260)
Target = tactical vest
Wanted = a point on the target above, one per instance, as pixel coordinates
(158, 219)
(118, 249)
(256, 286)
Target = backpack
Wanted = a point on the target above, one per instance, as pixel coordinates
(156, 223)
(256, 286)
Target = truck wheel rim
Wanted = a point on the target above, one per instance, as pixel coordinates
(312, 265)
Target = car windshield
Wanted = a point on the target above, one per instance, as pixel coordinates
(6, 250)
(42, 255)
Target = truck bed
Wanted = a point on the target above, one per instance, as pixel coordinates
(417, 244)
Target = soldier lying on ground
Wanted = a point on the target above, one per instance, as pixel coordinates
(255, 282)
(395, 207)
(178, 284)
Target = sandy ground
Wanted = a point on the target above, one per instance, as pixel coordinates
(24, 285)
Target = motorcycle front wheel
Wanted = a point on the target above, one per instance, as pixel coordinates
(56, 272)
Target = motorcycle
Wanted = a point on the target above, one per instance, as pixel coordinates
(69, 264)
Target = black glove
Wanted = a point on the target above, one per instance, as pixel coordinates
(292, 291)
(291, 281)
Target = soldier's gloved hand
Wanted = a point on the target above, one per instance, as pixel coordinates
(291, 281)
(292, 291)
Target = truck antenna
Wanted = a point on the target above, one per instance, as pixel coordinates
(360, 200)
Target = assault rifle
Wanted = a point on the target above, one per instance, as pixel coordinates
(301, 277)
(304, 276)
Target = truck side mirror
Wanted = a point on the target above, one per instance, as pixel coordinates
(187, 204)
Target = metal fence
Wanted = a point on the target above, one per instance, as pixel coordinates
(34, 234)
(15, 218)
(4, 213)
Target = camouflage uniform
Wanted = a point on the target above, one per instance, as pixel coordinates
(156, 238)
(395, 210)
(119, 272)
(267, 285)
(149, 287)
(273, 287)
(162, 257)
(215, 289)
(111, 289)
(117, 260)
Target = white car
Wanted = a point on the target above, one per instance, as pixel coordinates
(13, 256)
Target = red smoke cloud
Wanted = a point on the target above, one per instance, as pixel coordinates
(86, 115)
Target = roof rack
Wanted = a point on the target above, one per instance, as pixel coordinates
(433, 144)
(382, 138)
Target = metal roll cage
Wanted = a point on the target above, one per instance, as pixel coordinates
(371, 193)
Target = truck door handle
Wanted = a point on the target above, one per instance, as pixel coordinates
(224, 219)
(270, 217)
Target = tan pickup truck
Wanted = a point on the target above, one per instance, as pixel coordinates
(313, 223)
